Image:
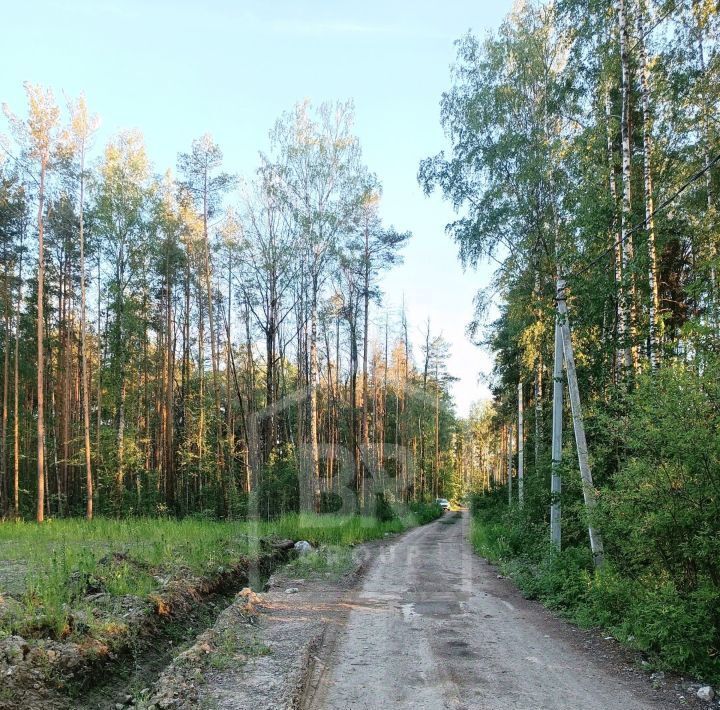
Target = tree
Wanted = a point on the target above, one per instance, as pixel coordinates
(38, 135)
(82, 126)
(120, 218)
(380, 250)
(318, 179)
(268, 255)
(206, 188)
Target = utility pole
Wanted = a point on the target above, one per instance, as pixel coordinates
(596, 544)
(557, 425)
(521, 446)
(509, 461)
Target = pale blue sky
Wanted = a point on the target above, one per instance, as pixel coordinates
(176, 69)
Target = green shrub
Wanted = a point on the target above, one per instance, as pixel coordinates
(330, 502)
(383, 510)
(278, 491)
(425, 512)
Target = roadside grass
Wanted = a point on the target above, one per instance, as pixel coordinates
(233, 648)
(52, 575)
(335, 529)
(328, 561)
(646, 613)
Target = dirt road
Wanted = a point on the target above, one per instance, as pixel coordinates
(432, 626)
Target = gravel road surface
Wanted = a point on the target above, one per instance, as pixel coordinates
(432, 626)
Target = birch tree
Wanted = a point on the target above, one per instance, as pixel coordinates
(319, 171)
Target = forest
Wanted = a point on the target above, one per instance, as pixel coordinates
(200, 366)
(583, 164)
(194, 342)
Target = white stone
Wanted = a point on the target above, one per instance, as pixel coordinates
(292, 590)
(706, 693)
(302, 547)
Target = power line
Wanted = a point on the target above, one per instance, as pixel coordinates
(641, 225)
(655, 24)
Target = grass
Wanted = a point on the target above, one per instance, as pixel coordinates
(232, 648)
(329, 561)
(47, 572)
(674, 629)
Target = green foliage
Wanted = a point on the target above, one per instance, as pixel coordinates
(660, 588)
(425, 512)
(278, 491)
(670, 480)
(330, 502)
(383, 510)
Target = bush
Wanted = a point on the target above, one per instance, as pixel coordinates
(278, 491)
(659, 513)
(330, 502)
(663, 512)
(383, 510)
(425, 512)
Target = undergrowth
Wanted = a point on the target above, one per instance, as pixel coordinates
(675, 627)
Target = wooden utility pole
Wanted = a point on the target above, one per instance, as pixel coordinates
(509, 461)
(521, 446)
(596, 544)
(557, 426)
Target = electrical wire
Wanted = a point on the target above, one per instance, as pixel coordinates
(641, 225)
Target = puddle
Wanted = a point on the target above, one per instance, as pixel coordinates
(439, 609)
(408, 612)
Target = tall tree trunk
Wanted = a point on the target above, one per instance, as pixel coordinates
(509, 454)
(655, 321)
(521, 446)
(63, 380)
(183, 434)
(358, 474)
(16, 376)
(366, 330)
(4, 482)
(101, 347)
(253, 468)
(201, 376)
(557, 427)
(627, 293)
(381, 423)
(229, 414)
(168, 444)
(615, 236)
(706, 156)
(40, 514)
(211, 323)
(314, 482)
(403, 405)
(437, 434)
(83, 346)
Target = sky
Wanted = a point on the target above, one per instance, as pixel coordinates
(176, 69)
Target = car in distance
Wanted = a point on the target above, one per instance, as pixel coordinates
(444, 503)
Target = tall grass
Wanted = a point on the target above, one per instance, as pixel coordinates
(47, 570)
